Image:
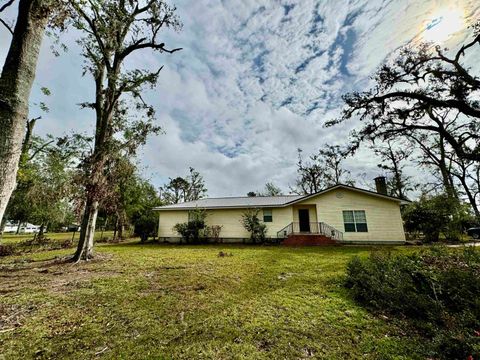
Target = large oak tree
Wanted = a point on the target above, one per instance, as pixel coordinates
(16, 79)
(115, 31)
(416, 92)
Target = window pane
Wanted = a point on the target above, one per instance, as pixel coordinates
(267, 215)
(360, 216)
(349, 227)
(348, 217)
(362, 227)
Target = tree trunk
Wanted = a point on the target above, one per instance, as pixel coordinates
(88, 253)
(2, 227)
(16, 82)
(472, 201)
(121, 228)
(470, 196)
(87, 232)
(83, 227)
(447, 179)
(115, 230)
(399, 185)
(397, 172)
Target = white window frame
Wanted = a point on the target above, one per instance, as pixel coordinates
(355, 222)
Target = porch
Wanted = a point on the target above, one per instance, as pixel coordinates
(310, 229)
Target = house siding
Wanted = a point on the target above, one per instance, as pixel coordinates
(229, 219)
(384, 219)
(167, 220)
(281, 218)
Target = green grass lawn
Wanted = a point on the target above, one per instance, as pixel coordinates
(186, 302)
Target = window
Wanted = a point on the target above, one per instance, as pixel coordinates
(267, 215)
(355, 221)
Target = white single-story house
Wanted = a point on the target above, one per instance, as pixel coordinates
(10, 227)
(340, 213)
(25, 228)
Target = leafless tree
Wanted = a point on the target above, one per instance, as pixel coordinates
(393, 160)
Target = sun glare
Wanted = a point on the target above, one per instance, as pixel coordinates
(443, 24)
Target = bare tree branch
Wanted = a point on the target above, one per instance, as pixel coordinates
(7, 4)
(4, 23)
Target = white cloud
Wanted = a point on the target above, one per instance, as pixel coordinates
(256, 80)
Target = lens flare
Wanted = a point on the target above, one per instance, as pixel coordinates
(443, 24)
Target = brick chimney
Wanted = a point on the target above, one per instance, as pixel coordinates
(381, 184)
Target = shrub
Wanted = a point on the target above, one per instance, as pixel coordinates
(437, 292)
(252, 224)
(192, 231)
(435, 215)
(145, 225)
(183, 230)
(214, 232)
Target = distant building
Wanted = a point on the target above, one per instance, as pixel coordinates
(25, 228)
(10, 227)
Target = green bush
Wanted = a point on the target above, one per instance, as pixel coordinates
(145, 225)
(252, 224)
(193, 230)
(435, 215)
(213, 232)
(437, 292)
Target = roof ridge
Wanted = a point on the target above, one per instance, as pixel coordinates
(242, 197)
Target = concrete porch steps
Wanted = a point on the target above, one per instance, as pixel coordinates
(308, 240)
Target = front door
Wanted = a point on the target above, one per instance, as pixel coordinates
(304, 220)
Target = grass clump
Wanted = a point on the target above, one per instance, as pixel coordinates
(6, 249)
(436, 292)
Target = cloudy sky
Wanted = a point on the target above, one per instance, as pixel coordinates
(256, 80)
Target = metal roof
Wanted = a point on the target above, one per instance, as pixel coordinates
(234, 202)
(263, 201)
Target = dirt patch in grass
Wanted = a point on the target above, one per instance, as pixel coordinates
(58, 275)
(156, 283)
(66, 281)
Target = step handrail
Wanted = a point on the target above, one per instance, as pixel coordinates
(320, 228)
(330, 231)
(286, 231)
